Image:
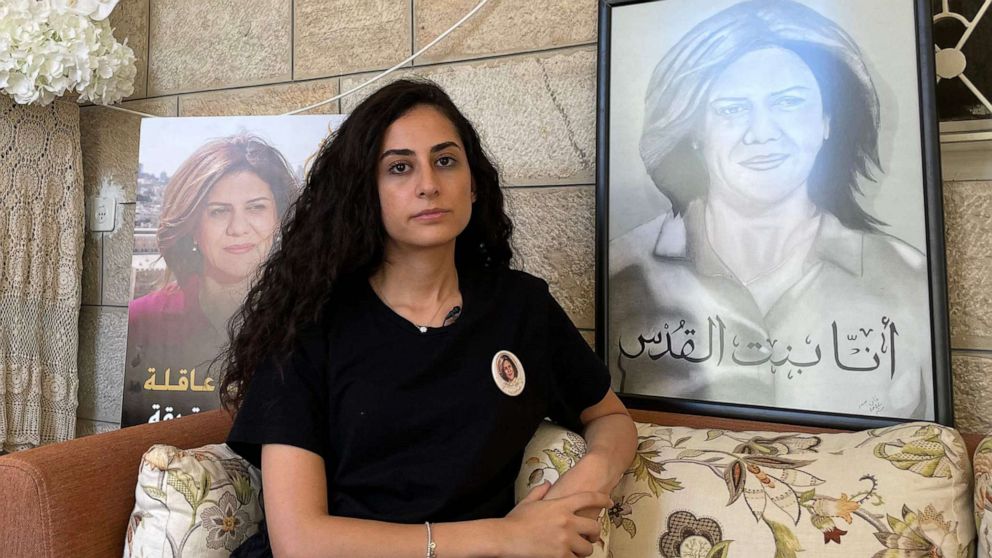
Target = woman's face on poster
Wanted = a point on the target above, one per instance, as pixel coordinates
(236, 226)
(763, 127)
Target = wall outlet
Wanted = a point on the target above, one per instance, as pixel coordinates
(103, 214)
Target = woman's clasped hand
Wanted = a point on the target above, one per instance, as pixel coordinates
(540, 527)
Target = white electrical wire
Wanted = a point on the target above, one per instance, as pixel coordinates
(397, 66)
(122, 109)
(372, 80)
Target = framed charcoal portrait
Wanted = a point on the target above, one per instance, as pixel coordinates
(769, 219)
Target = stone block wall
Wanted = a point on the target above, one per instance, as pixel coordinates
(523, 70)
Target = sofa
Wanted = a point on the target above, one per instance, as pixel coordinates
(699, 487)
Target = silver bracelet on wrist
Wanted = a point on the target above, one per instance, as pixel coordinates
(430, 542)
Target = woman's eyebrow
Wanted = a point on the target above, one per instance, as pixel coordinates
(225, 204)
(444, 145)
(772, 94)
(788, 89)
(398, 152)
(409, 152)
(729, 100)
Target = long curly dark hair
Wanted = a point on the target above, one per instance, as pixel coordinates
(334, 231)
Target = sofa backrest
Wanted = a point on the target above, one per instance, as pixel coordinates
(971, 439)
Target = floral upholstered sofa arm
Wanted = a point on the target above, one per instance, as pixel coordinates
(903, 490)
(983, 496)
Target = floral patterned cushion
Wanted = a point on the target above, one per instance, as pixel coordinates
(983, 496)
(201, 502)
(897, 492)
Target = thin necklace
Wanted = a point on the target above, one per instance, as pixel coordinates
(423, 328)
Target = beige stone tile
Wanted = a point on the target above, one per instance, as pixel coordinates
(961, 161)
(118, 246)
(972, 391)
(334, 37)
(507, 26)
(968, 239)
(554, 239)
(92, 268)
(102, 345)
(269, 99)
(109, 140)
(85, 427)
(536, 114)
(130, 21)
(197, 45)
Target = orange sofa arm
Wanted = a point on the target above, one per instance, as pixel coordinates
(74, 498)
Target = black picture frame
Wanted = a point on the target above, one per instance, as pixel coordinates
(937, 397)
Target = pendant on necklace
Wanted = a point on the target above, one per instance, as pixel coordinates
(423, 329)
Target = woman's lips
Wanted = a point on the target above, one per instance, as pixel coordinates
(239, 248)
(431, 214)
(764, 162)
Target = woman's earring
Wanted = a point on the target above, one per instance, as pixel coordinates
(695, 145)
(194, 247)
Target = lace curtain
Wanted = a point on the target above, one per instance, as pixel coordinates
(41, 245)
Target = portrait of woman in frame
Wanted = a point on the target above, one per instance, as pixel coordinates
(784, 262)
(212, 193)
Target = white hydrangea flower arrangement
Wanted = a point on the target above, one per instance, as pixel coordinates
(52, 47)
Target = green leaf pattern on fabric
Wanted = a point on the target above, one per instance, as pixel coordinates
(644, 469)
(920, 534)
(559, 460)
(155, 493)
(928, 451)
(786, 543)
(184, 484)
(719, 550)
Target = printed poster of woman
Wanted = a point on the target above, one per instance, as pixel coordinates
(211, 195)
(767, 241)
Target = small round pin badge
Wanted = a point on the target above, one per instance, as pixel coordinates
(508, 373)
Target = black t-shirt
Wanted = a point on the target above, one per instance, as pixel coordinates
(419, 426)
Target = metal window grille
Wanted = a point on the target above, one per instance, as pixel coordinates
(963, 45)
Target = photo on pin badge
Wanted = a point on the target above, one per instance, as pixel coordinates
(508, 373)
